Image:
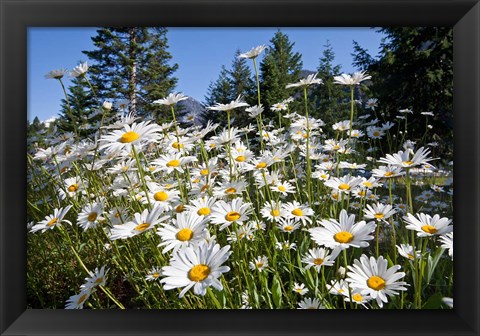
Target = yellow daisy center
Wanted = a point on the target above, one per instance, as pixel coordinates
(297, 212)
(240, 158)
(388, 174)
(199, 272)
(205, 187)
(379, 215)
(288, 228)
(196, 180)
(232, 216)
(156, 275)
(99, 280)
(204, 172)
(281, 188)
(344, 186)
(184, 234)
(177, 145)
(376, 283)
(343, 237)
(73, 188)
(179, 208)
(357, 297)
(82, 298)
(203, 212)
(52, 222)
(318, 261)
(361, 193)
(142, 227)
(129, 137)
(367, 184)
(376, 133)
(92, 216)
(160, 196)
(410, 256)
(275, 213)
(231, 190)
(259, 264)
(408, 162)
(261, 165)
(336, 147)
(173, 163)
(323, 176)
(429, 229)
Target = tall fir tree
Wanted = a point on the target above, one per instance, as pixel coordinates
(279, 67)
(415, 70)
(220, 92)
(328, 98)
(132, 63)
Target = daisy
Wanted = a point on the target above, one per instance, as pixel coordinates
(283, 188)
(371, 183)
(96, 278)
(406, 251)
(300, 289)
(77, 301)
(343, 233)
(427, 225)
(287, 225)
(254, 111)
(387, 171)
(79, 70)
(341, 126)
(372, 278)
(225, 214)
(402, 158)
(379, 211)
(308, 303)
(197, 266)
(260, 264)
(153, 274)
(142, 222)
(273, 211)
(243, 232)
(72, 187)
(448, 301)
(286, 245)
(52, 220)
(279, 107)
(187, 229)
(202, 206)
(338, 287)
(159, 196)
(375, 132)
(355, 79)
(447, 243)
(298, 212)
(318, 257)
(90, 216)
(56, 74)
(310, 80)
(230, 188)
(171, 99)
(344, 184)
(371, 103)
(254, 52)
(357, 297)
(173, 162)
(230, 106)
(135, 135)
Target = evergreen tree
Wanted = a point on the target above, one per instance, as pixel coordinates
(279, 67)
(132, 63)
(220, 92)
(414, 70)
(328, 98)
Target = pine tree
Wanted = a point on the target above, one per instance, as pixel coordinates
(328, 98)
(132, 63)
(220, 92)
(279, 67)
(414, 70)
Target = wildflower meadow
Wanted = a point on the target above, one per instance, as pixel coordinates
(287, 212)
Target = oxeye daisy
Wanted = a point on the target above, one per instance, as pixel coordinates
(171, 99)
(197, 266)
(141, 223)
(318, 257)
(254, 111)
(308, 303)
(254, 52)
(72, 187)
(447, 243)
(343, 233)
(160, 196)
(427, 226)
(403, 159)
(52, 220)
(298, 212)
(56, 74)
(79, 70)
(273, 211)
(242, 232)
(230, 106)
(344, 184)
(78, 300)
(227, 189)
(283, 188)
(224, 214)
(387, 171)
(202, 206)
(338, 287)
(96, 278)
(186, 229)
(372, 278)
(406, 251)
(379, 211)
(136, 135)
(357, 297)
(287, 225)
(154, 274)
(173, 162)
(285, 245)
(309, 80)
(260, 263)
(90, 216)
(299, 289)
(355, 79)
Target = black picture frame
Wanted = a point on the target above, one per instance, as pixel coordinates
(17, 15)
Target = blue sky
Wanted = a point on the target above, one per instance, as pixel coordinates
(199, 52)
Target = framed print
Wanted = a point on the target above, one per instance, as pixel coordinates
(274, 188)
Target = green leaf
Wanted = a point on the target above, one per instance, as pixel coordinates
(277, 292)
(433, 302)
(432, 263)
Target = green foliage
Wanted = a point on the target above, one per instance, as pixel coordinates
(415, 70)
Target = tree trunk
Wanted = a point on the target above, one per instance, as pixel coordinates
(132, 81)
